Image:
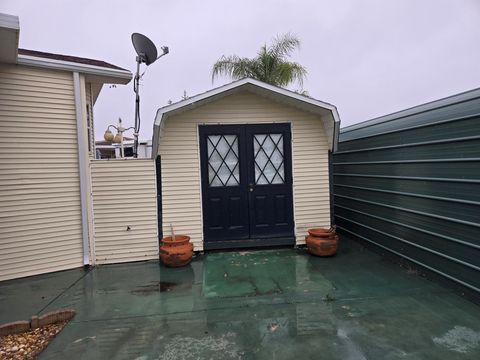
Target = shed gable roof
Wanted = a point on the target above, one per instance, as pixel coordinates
(327, 112)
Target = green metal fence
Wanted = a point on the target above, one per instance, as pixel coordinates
(409, 183)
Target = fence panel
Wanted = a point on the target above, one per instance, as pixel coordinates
(409, 183)
(124, 210)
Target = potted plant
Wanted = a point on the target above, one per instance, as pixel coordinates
(322, 242)
(176, 250)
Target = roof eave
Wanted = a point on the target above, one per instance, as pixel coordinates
(164, 112)
(431, 105)
(108, 75)
(9, 35)
(238, 84)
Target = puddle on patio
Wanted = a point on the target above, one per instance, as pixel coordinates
(154, 287)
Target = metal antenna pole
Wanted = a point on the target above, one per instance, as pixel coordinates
(121, 130)
(146, 53)
(137, 108)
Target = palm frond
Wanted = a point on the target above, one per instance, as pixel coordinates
(232, 66)
(291, 72)
(271, 64)
(284, 45)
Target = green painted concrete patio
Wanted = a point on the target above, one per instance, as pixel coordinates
(266, 304)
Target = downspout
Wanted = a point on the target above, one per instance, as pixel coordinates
(330, 170)
(82, 150)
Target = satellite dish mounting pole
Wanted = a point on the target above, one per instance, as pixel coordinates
(137, 107)
(146, 53)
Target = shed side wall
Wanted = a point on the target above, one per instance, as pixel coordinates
(412, 186)
(124, 195)
(40, 215)
(179, 149)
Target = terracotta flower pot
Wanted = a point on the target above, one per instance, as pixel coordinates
(322, 242)
(322, 246)
(321, 232)
(176, 252)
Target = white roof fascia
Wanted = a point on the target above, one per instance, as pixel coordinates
(336, 129)
(9, 36)
(124, 76)
(237, 84)
(163, 112)
(9, 21)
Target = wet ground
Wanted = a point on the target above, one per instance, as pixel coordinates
(269, 304)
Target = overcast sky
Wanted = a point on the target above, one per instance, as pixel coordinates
(367, 57)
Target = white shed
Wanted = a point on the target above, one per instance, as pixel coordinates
(245, 164)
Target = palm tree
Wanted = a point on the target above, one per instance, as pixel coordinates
(271, 64)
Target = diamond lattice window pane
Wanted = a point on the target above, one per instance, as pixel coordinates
(268, 153)
(223, 167)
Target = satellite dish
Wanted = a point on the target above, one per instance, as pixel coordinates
(148, 54)
(145, 48)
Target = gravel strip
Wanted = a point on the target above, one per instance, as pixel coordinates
(30, 344)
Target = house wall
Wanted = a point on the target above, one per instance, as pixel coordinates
(180, 161)
(410, 185)
(40, 211)
(124, 195)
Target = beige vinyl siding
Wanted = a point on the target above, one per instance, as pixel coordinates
(124, 194)
(179, 150)
(40, 215)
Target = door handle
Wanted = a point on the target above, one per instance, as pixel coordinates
(250, 187)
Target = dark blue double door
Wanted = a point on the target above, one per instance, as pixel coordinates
(246, 185)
